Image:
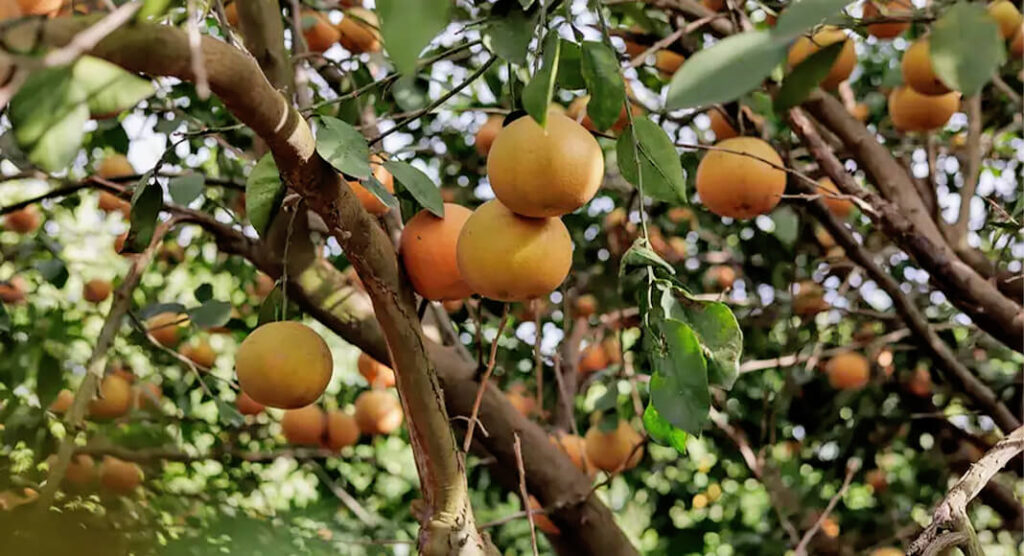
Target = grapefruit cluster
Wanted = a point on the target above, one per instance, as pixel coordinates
(358, 31)
(376, 413)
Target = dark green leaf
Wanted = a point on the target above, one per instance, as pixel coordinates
(344, 147)
(109, 89)
(801, 16)
(508, 34)
(410, 93)
(109, 133)
(660, 167)
(5, 318)
(608, 401)
(600, 68)
(418, 184)
(966, 48)
(263, 193)
(799, 83)
(608, 422)
(48, 379)
(727, 70)
(641, 255)
(53, 271)
(229, 414)
(679, 381)
(719, 335)
(48, 115)
(787, 225)
(146, 204)
(379, 191)
(408, 27)
(210, 314)
(570, 72)
(537, 93)
(185, 189)
(204, 293)
(157, 308)
(661, 431)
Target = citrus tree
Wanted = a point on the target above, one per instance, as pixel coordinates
(620, 277)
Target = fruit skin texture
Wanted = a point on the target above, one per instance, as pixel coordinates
(119, 476)
(284, 365)
(23, 221)
(611, 451)
(843, 65)
(96, 290)
(1005, 13)
(342, 430)
(377, 374)
(893, 8)
(305, 425)
(848, 371)
(839, 207)
(541, 172)
(370, 202)
(359, 36)
(13, 291)
(720, 125)
(428, 248)
(320, 35)
(115, 166)
(577, 112)
(378, 412)
(860, 111)
(166, 328)
(917, 70)
(593, 359)
(740, 186)
(200, 353)
(912, 111)
(887, 551)
(115, 398)
(506, 257)
(39, 7)
(81, 470)
(247, 405)
(576, 448)
(486, 134)
(63, 401)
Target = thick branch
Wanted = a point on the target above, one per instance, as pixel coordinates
(263, 33)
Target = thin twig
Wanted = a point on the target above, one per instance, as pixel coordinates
(517, 445)
(484, 380)
(851, 469)
(368, 519)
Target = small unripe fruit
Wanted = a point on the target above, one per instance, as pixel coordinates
(63, 401)
(876, 478)
(506, 257)
(247, 405)
(370, 202)
(743, 185)
(848, 371)
(377, 374)
(24, 220)
(912, 111)
(304, 426)
(115, 398)
(378, 412)
(615, 450)
(428, 250)
(917, 70)
(543, 172)
(342, 430)
(166, 328)
(284, 364)
(842, 67)
(887, 30)
(119, 476)
(920, 383)
(838, 206)
(96, 290)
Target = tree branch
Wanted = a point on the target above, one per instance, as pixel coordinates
(972, 172)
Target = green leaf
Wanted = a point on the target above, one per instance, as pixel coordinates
(661, 431)
(408, 27)
(109, 89)
(418, 184)
(805, 77)
(229, 414)
(152, 9)
(184, 189)
(48, 379)
(659, 166)
(570, 61)
(509, 32)
(344, 147)
(787, 225)
(608, 422)
(108, 134)
(966, 48)
(641, 255)
(679, 381)
(270, 309)
(537, 93)
(204, 293)
(379, 191)
(210, 314)
(5, 319)
(600, 68)
(410, 93)
(608, 401)
(801, 16)
(720, 338)
(726, 71)
(48, 115)
(146, 204)
(53, 271)
(263, 193)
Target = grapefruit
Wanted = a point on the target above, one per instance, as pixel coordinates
(284, 365)
(428, 251)
(743, 185)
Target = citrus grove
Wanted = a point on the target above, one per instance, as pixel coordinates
(511, 277)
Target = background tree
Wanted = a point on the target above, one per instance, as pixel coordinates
(751, 282)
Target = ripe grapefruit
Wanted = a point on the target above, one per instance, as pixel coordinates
(358, 31)
(370, 202)
(737, 185)
(342, 430)
(201, 353)
(719, 278)
(378, 412)
(541, 521)
(720, 125)
(912, 111)
(13, 291)
(486, 134)
(576, 448)
(115, 398)
(377, 374)
(428, 250)
(848, 371)
(613, 451)
(284, 365)
(167, 328)
(96, 290)
(23, 221)
(917, 70)
(63, 401)
(120, 476)
(305, 425)
(879, 8)
(838, 206)
(247, 405)
(843, 65)
(1005, 13)
(318, 31)
(148, 396)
